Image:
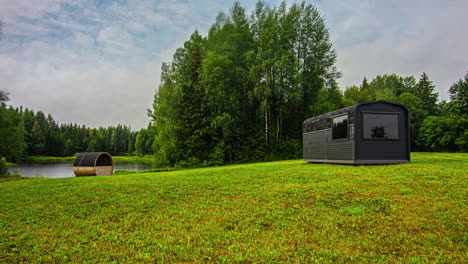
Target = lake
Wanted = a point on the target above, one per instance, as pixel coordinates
(65, 169)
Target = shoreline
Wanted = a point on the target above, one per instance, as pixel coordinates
(51, 159)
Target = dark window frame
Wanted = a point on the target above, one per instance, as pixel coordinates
(398, 138)
(347, 127)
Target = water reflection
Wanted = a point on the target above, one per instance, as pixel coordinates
(64, 170)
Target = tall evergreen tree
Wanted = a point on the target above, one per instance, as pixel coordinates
(191, 107)
(459, 96)
(38, 140)
(425, 90)
(365, 84)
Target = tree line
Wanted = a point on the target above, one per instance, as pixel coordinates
(434, 125)
(241, 93)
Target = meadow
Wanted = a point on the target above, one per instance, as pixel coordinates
(275, 212)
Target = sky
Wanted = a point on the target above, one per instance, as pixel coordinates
(97, 62)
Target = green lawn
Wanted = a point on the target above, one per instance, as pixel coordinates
(277, 212)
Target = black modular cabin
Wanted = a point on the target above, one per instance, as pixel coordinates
(375, 132)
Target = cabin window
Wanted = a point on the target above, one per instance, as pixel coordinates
(340, 127)
(380, 126)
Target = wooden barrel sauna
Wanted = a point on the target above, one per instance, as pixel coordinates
(93, 164)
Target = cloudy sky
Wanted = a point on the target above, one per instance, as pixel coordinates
(97, 62)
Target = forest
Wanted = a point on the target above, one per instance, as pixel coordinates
(26, 133)
(240, 94)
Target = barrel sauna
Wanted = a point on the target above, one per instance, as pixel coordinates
(93, 164)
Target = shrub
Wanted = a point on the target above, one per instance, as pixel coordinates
(3, 167)
(444, 133)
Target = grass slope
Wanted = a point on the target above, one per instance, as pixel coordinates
(278, 212)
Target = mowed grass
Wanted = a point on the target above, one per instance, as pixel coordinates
(277, 212)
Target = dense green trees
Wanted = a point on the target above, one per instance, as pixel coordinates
(26, 133)
(459, 97)
(143, 143)
(448, 130)
(242, 92)
(115, 139)
(11, 131)
(434, 127)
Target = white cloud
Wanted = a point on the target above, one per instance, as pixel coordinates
(115, 40)
(406, 38)
(83, 40)
(100, 94)
(27, 8)
(23, 29)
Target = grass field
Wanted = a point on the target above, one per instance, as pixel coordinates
(277, 212)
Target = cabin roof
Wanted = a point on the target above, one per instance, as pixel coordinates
(91, 159)
(324, 121)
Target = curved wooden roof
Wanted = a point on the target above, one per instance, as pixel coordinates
(92, 159)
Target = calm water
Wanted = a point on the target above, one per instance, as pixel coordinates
(63, 170)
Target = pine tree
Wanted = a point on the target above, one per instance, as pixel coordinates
(191, 107)
(425, 91)
(364, 85)
(459, 96)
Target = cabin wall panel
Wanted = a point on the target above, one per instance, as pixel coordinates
(341, 149)
(383, 149)
(315, 145)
